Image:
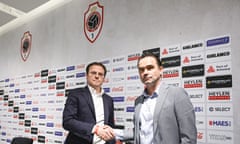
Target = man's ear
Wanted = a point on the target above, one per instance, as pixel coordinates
(161, 71)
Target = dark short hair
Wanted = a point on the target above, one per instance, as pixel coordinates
(98, 64)
(149, 54)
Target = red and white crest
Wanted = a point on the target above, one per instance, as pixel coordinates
(26, 43)
(93, 21)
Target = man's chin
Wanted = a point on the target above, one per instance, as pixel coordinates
(148, 83)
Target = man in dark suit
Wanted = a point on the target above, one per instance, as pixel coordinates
(88, 113)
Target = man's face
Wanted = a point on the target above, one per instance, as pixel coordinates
(149, 71)
(95, 76)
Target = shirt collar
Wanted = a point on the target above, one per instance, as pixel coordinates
(93, 91)
(154, 95)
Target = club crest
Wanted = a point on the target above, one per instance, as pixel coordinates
(93, 21)
(26, 43)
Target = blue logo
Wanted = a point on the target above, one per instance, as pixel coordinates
(218, 41)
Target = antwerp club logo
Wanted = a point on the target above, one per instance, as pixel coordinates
(93, 21)
(26, 43)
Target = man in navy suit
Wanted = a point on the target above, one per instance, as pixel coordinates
(88, 113)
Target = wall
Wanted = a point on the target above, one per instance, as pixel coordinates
(129, 27)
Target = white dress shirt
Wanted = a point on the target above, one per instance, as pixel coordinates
(99, 111)
(146, 117)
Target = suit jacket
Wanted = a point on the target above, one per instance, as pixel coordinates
(79, 116)
(173, 120)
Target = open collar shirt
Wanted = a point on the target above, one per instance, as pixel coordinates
(99, 111)
(146, 117)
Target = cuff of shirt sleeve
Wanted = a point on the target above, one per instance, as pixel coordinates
(95, 129)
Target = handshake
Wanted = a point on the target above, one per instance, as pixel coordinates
(105, 132)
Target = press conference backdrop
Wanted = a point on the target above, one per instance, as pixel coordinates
(197, 42)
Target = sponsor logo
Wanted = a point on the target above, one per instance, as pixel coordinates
(1, 92)
(50, 124)
(27, 123)
(220, 137)
(222, 123)
(191, 71)
(218, 41)
(118, 109)
(193, 58)
(60, 93)
(199, 122)
(170, 50)
(15, 109)
(52, 87)
(219, 68)
(52, 79)
(198, 109)
(133, 88)
(105, 62)
(219, 95)
(44, 73)
(70, 76)
(119, 119)
(52, 72)
(130, 109)
(106, 89)
(119, 69)
(34, 130)
(42, 116)
(10, 103)
(219, 109)
(117, 79)
(118, 60)
(192, 46)
(21, 116)
(133, 57)
(171, 61)
(60, 85)
(93, 21)
(135, 77)
(58, 142)
(198, 96)
(41, 139)
(194, 83)
(61, 70)
(219, 81)
(79, 75)
(171, 73)
(70, 68)
(130, 68)
(131, 98)
(155, 51)
(58, 133)
(117, 89)
(118, 99)
(218, 54)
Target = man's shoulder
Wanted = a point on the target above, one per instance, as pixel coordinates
(78, 90)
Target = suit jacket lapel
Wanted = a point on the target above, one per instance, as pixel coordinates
(106, 110)
(159, 103)
(89, 100)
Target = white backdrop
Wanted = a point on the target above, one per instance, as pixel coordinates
(129, 27)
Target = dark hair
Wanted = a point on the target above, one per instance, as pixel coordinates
(149, 54)
(98, 64)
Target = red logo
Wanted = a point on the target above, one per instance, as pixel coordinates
(93, 21)
(211, 69)
(186, 60)
(165, 52)
(26, 43)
